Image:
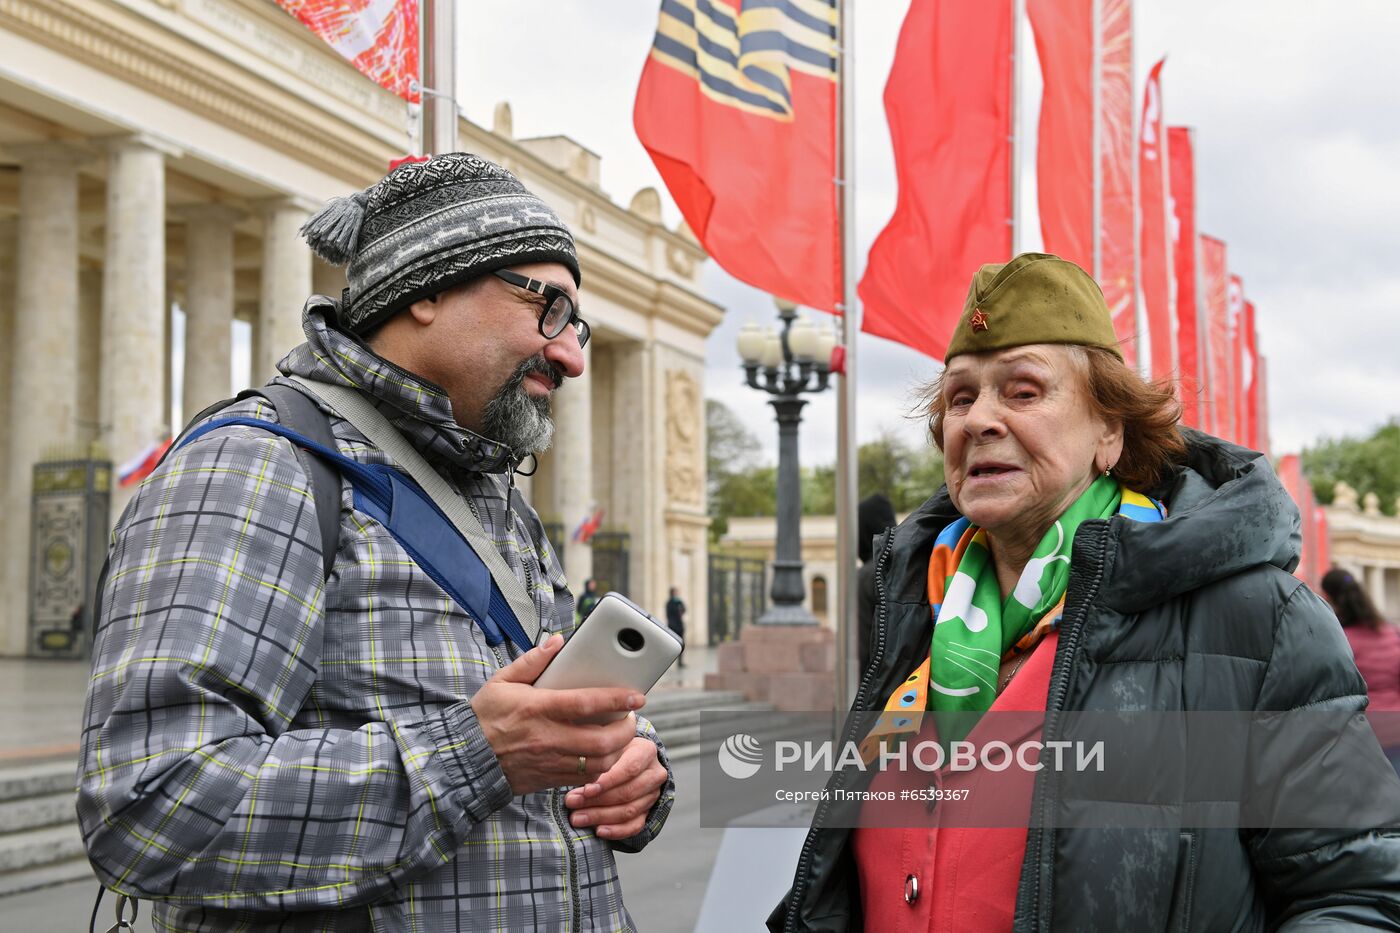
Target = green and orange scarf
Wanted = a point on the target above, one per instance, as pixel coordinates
(975, 630)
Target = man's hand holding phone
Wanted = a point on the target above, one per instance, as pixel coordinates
(536, 735)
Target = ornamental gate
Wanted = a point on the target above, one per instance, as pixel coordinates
(68, 542)
(737, 588)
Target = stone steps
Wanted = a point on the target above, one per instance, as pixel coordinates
(39, 840)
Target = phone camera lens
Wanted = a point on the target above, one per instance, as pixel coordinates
(630, 639)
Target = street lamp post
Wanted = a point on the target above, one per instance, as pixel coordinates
(793, 361)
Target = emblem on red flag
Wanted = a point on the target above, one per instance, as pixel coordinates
(737, 108)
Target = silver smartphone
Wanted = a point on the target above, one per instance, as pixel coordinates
(618, 645)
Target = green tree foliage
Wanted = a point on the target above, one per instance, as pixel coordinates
(1367, 465)
(736, 482)
(740, 486)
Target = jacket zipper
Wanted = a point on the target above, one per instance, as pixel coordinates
(570, 857)
(556, 813)
(1054, 703)
(804, 861)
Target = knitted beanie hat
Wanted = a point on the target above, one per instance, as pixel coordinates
(428, 226)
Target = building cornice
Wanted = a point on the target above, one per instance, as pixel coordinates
(133, 48)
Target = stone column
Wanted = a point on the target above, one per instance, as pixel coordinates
(134, 311)
(208, 304)
(571, 471)
(43, 376)
(9, 242)
(89, 352)
(286, 284)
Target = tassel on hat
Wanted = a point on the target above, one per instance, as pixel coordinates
(333, 232)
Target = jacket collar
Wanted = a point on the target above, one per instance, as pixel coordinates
(1226, 512)
(420, 410)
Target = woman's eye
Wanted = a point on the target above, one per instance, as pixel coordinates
(961, 398)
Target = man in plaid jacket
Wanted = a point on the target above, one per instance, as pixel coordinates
(269, 748)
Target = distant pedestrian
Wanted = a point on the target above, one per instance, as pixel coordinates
(589, 599)
(675, 621)
(1375, 643)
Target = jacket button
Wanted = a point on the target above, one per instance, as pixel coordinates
(911, 889)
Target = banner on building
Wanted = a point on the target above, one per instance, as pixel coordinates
(378, 37)
(737, 107)
(949, 103)
(1181, 164)
(1154, 237)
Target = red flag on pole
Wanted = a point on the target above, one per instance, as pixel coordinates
(1262, 402)
(1064, 39)
(1181, 162)
(1235, 304)
(1322, 546)
(1249, 381)
(949, 105)
(378, 37)
(1215, 287)
(1085, 151)
(1117, 207)
(737, 107)
(1154, 238)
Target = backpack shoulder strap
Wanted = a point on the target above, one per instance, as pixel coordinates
(300, 414)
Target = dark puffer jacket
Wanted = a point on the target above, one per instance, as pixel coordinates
(1198, 612)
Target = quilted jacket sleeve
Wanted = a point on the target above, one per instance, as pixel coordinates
(193, 785)
(1327, 878)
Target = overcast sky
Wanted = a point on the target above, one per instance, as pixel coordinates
(1297, 118)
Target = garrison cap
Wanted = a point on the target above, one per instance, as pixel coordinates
(1034, 298)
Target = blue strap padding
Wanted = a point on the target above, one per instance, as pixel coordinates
(418, 524)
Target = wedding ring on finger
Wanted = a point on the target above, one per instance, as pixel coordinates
(582, 764)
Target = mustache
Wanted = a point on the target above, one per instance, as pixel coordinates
(537, 365)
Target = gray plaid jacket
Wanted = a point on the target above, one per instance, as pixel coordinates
(268, 750)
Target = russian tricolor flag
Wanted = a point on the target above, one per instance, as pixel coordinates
(140, 466)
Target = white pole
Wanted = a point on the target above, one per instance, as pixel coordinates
(1097, 139)
(1018, 149)
(846, 490)
(1203, 375)
(438, 64)
(1140, 331)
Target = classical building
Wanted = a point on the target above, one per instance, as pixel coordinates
(156, 160)
(1366, 542)
(756, 538)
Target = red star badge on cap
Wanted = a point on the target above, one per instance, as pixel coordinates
(979, 320)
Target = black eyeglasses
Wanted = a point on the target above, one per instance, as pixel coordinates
(559, 311)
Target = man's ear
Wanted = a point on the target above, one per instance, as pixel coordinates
(425, 310)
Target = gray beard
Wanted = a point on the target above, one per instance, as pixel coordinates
(512, 417)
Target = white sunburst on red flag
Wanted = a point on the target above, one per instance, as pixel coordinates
(378, 37)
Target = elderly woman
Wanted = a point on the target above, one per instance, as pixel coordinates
(1086, 553)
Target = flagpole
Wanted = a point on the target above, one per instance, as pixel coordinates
(438, 68)
(846, 490)
(1096, 137)
(1140, 331)
(1018, 151)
